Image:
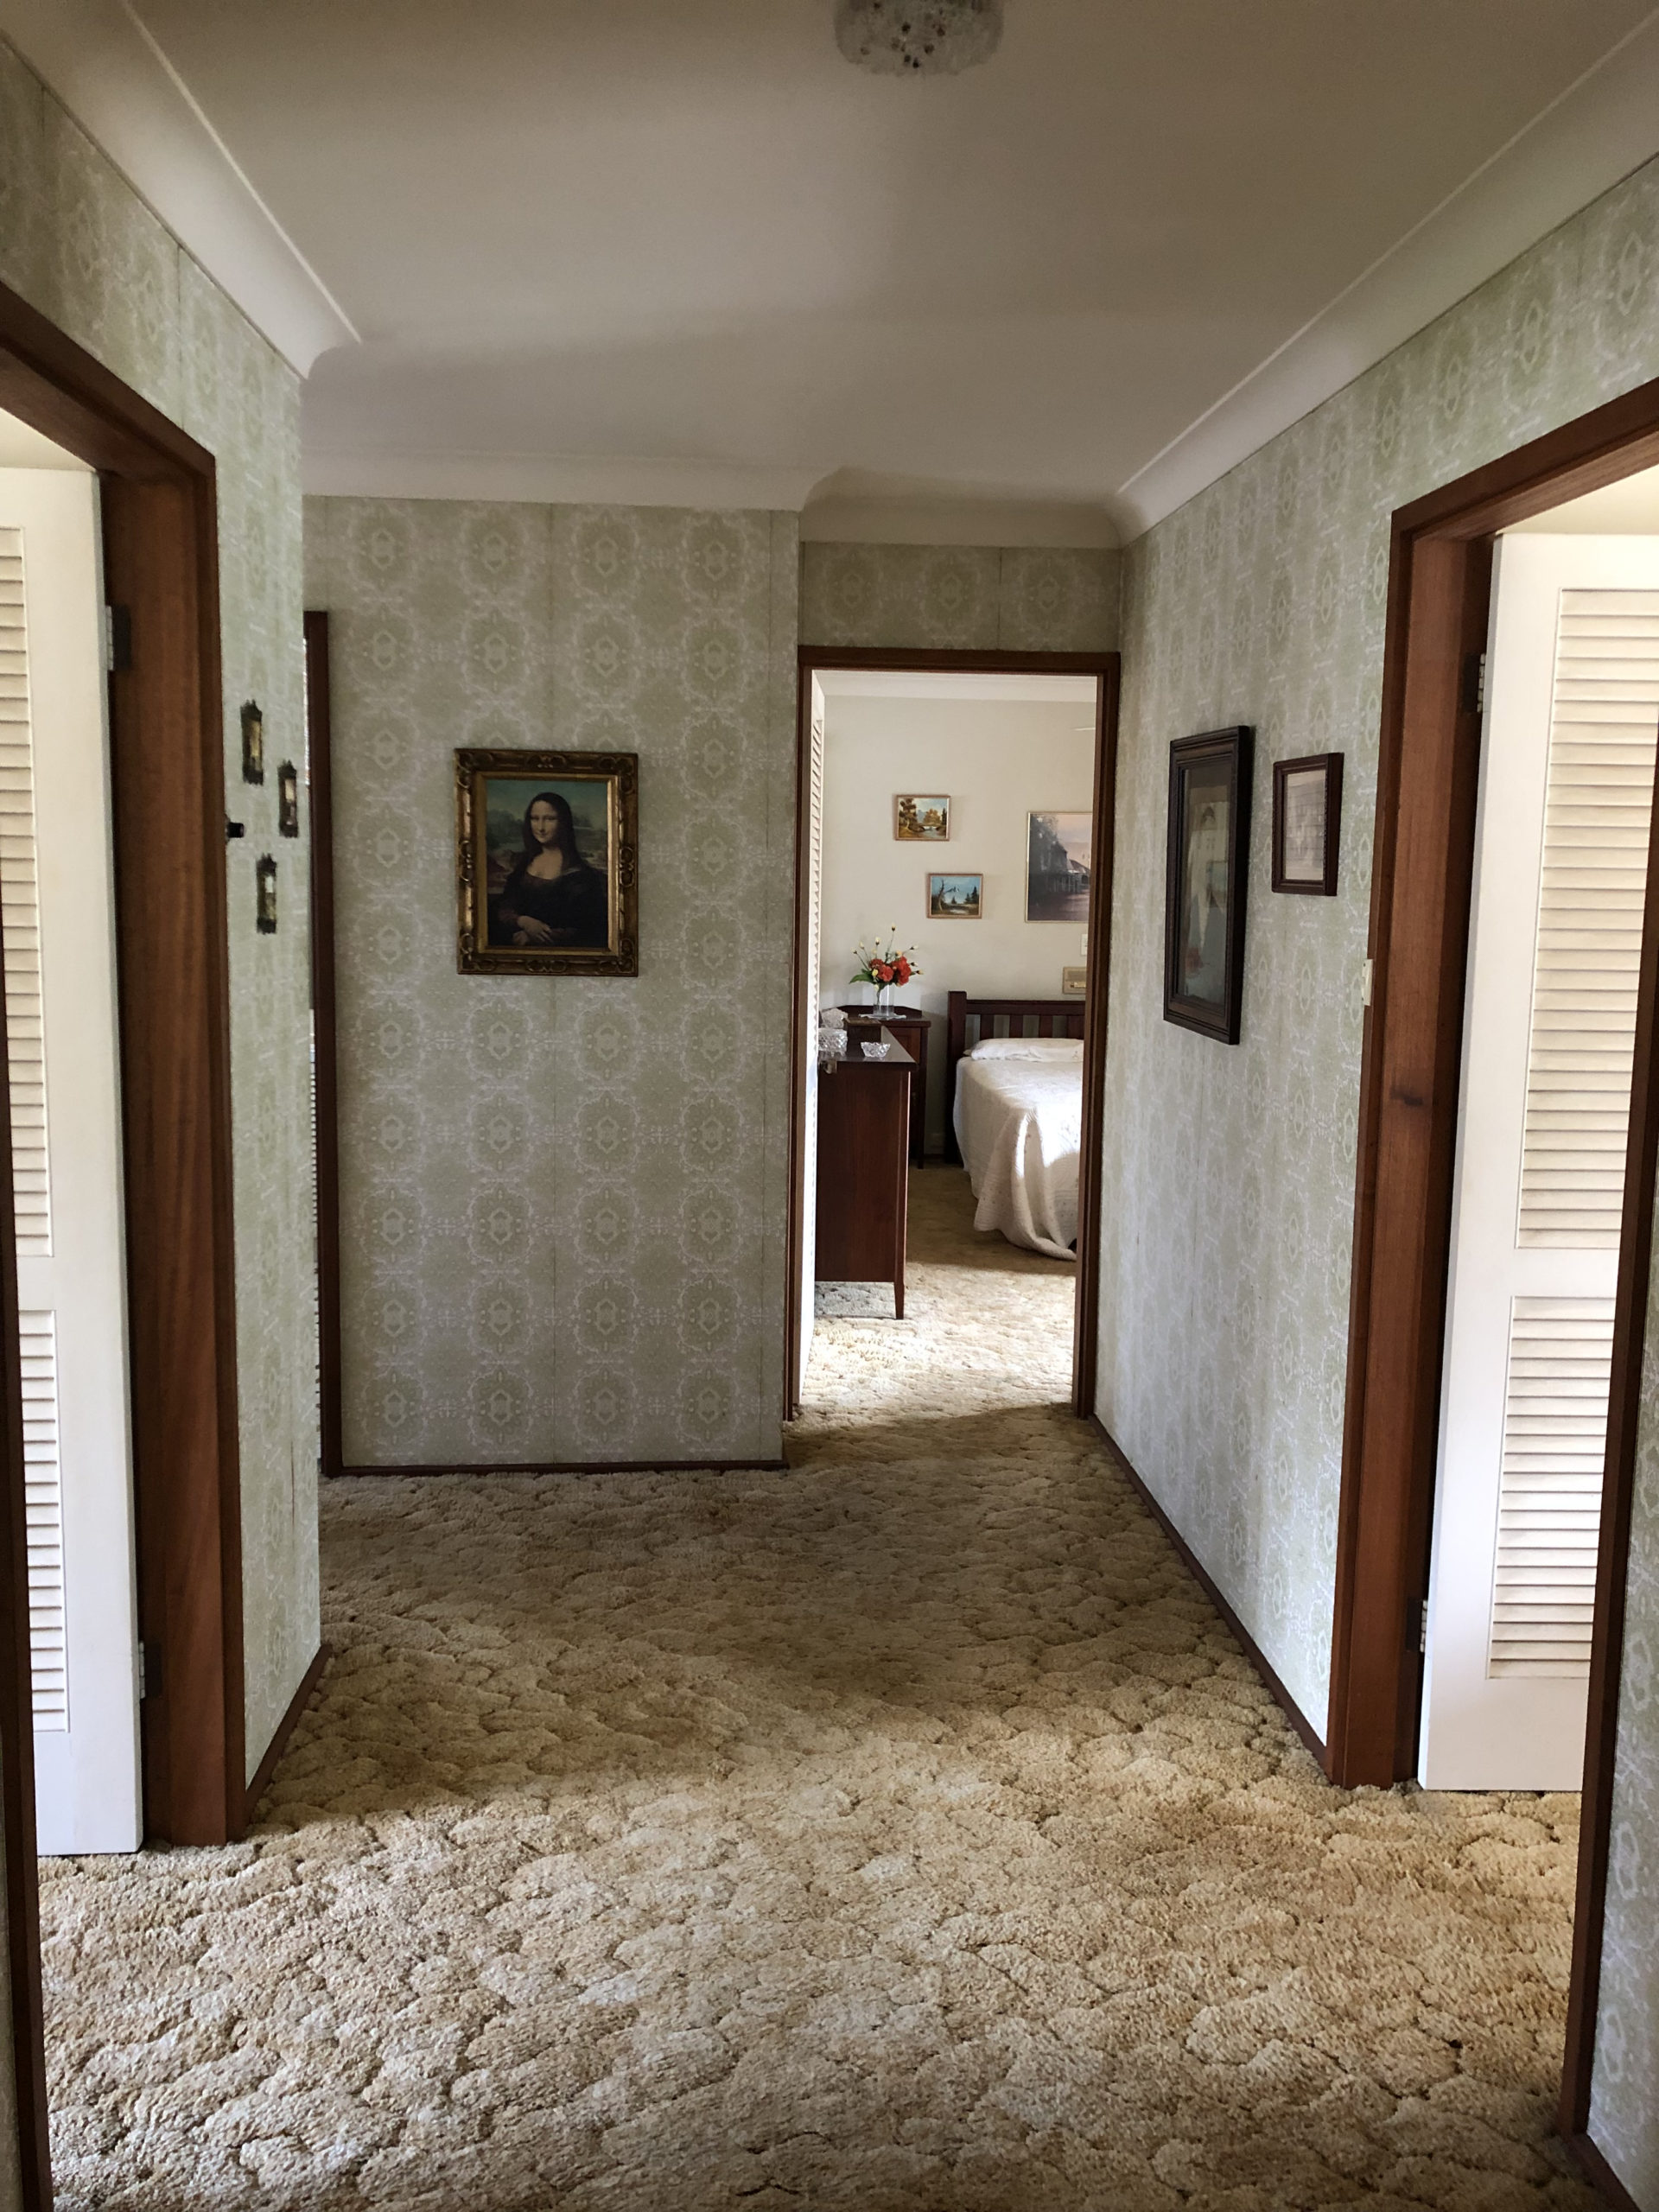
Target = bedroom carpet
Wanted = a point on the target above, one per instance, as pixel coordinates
(903, 1833)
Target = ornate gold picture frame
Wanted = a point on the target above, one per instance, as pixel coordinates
(547, 862)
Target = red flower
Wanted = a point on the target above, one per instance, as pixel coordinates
(901, 971)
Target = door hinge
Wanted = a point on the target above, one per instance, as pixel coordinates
(1422, 1627)
(117, 638)
(149, 1670)
(1474, 684)
(1365, 983)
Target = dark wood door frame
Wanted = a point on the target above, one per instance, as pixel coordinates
(1104, 667)
(1438, 602)
(318, 732)
(161, 563)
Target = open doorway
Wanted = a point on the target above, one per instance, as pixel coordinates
(1582, 1138)
(1571, 715)
(953, 911)
(57, 881)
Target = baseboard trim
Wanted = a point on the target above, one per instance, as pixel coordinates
(285, 1727)
(1599, 2175)
(577, 1467)
(1293, 1712)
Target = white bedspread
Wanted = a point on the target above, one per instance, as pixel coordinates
(1018, 1121)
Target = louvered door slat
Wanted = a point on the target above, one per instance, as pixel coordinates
(20, 914)
(43, 1516)
(1549, 1498)
(1598, 802)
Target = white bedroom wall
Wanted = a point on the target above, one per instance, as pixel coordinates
(998, 759)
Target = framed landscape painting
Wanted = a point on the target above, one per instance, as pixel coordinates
(1059, 857)
(1204, 908)
(922, 818)
(954, 897)
(547, 863)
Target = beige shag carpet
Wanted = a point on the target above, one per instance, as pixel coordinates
(902, 1833)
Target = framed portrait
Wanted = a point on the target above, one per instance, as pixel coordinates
(1204, 909)
(1058, 860)
(1307, 817)
(547, 863)
(921, 818)
(954, 897)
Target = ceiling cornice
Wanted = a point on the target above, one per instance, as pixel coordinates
(1599, 129)
(98, 58)
(574, 479)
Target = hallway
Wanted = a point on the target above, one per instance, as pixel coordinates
(904, 1831)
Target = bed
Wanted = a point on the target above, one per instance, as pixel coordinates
(1014, 1075)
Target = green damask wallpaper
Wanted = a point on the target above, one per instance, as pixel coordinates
(1229, 1172)
(80, 245)
(1024, 599)
(562, 1199)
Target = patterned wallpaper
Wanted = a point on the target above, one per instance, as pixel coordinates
(1229, 1175)
(1025, 599)
(1622, 2120)
(562, 1199)
(80, 245)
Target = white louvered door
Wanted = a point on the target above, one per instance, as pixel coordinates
(57, 885)
(812, 864)
(1567, 791)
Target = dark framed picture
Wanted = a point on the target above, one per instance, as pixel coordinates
(1209, 853)
(265, 895)
(1057, 861)
(954, 897)
(253, 742)
(1306, 818)
(288, 800)
(921, 817)
(547, 862)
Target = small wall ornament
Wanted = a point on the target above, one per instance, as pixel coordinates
(253, 742)
(265, 895)
(288, 800)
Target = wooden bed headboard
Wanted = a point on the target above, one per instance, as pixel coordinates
(997, 1018)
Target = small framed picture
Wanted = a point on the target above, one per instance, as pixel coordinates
(1204, 899)
(253, 742)
(954, 897)
(288, 800)
(1058, 862)
(265, 895)
(547, 863)
(1306, 818)
(921, 819)
(1074, 982)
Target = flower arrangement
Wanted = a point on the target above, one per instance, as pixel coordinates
(885, 966)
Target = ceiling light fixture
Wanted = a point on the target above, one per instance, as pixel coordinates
(918, 38)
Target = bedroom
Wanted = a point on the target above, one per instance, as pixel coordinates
(955, 823)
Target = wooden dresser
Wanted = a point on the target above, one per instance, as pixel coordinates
(864, 1166)
(910, 1025)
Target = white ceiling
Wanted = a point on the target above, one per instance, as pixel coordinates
(23, 448)
(1627, 509)
(929, 684)
(680, 249)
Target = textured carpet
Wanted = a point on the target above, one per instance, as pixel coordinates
(901, 1832)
